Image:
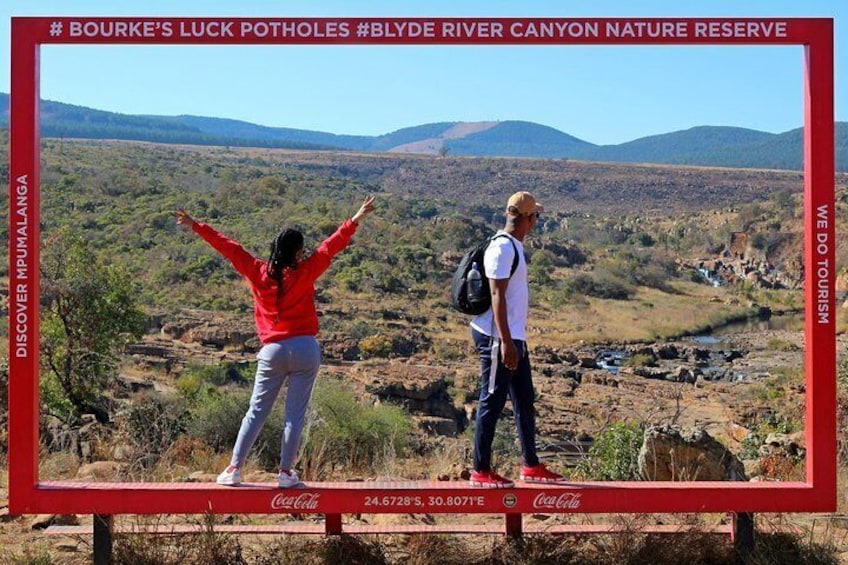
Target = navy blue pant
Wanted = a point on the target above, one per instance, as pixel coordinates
(518, 385)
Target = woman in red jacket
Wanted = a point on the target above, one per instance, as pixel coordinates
(283, 290)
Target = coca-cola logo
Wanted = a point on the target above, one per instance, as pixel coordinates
(564, 501)
(510, 500)
(302, 501)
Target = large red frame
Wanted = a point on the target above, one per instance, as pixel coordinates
(27, 494)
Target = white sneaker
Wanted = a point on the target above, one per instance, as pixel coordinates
(287, 480)
(229, 478)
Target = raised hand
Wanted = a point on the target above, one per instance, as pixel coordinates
(366, 208)
(184, 219)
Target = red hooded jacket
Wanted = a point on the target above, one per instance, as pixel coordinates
(295, 314)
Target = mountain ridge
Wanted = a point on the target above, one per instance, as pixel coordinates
(726, 146)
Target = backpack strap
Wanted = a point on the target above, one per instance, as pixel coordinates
(514, 249)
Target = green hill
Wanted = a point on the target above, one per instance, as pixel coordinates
(518, 139)
(245, 130)
(66, 120)
(678, 146)
(719, 146)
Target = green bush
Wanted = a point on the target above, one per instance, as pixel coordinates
(379, 345)
(541, 267)
(602, 285)
(342, 431)
(216, 416)
(221, 374)
(53, 400)
(90, 312)
(614, 453)
(643, 267)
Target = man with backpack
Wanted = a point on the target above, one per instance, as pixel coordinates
(500, 335)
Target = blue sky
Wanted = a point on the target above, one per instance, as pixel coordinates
(603, 94)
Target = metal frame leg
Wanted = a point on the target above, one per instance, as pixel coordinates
(103, 539)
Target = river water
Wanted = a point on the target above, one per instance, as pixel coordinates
(613, 359)
(792, 322)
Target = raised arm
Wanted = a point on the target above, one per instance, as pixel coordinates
(246, 264)
(319, 261)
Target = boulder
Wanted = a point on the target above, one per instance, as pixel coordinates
(737, 432)
(341, 347)
(685, 375)
(438, 426)
(131, 385)
(546, 355)
(43, 521)
(588, 362)
(667, 351)
(671, 454)
(791, 445)
(602, 378)
(420, 389)
(101, 471)
(732, 355)
(647, 372)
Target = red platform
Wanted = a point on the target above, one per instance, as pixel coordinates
(397, 497)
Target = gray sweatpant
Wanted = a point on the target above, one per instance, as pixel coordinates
(296, 360)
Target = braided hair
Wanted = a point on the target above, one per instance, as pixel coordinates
(283, 256)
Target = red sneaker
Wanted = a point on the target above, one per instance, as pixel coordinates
(540, 474)
(489, 479)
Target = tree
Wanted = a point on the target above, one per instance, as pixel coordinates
(89, 314)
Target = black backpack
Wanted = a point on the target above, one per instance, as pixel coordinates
(460, 296)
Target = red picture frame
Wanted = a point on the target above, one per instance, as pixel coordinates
(28, 494)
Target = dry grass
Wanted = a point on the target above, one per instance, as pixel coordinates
(630, 546)
(650, 315)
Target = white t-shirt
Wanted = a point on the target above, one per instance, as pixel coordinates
(497, 263)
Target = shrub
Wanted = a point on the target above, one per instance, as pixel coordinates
(643, 267)
(378, 345)
(449, 350)
(53, 399)
(842, 374)
(216, 416)
(542, 267)
(90, 311)
(152, 424)
(196, 375)
(614, 453)
(361, 329)
(600, 286)
(190, 452)
(761, 427)
(347, 433)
